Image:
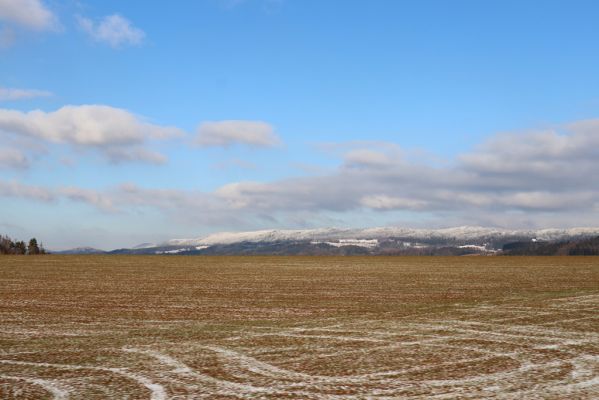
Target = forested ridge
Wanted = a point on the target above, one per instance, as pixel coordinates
(580, 247)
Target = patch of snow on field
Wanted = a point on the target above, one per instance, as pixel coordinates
(57, 392)
(508, 350)
(157, 391)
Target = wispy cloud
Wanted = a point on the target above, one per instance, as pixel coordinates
(139, 154)
(9, 94)
(227, 133)
(21, 190)
(7, 37)
(88, 196)
(267, 5)
(114, 30)
(13, 158)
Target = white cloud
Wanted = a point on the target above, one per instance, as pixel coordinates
(13, 158)
(546, 178)
(535, 172)
(8, 94)
(117, 133)
(114, 30)
(91, 125)
(227, 133)
(31, 14)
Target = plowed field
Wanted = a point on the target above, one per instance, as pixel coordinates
(128, 327)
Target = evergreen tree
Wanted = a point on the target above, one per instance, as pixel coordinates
(33, 248)
(10, 246)
(20, 247)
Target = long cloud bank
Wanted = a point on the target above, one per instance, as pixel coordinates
(533, 178)
(536, 171)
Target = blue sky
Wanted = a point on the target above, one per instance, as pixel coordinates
(126, 122)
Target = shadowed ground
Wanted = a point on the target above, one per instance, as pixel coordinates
(86, 327)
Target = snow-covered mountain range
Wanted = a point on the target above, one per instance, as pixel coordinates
(460, 240)
(457, 234)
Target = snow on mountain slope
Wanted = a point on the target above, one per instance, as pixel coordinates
(144, 246)
(271, 235)
(461, 233)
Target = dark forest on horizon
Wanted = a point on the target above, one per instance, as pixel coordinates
(19, 247)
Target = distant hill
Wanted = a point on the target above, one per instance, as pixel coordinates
(458, 241)
(580, 247)
(464, 240)
(462, 235)
(80, 250)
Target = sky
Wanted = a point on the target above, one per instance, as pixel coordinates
(140, 121)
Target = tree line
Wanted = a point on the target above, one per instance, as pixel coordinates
(10, 246)
(576, 247)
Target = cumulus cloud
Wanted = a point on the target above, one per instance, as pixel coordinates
(553, 160)
(30, 14)
(117, 133)
(114, 30)
(8, 94)
(82, 125)
(227, 133)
